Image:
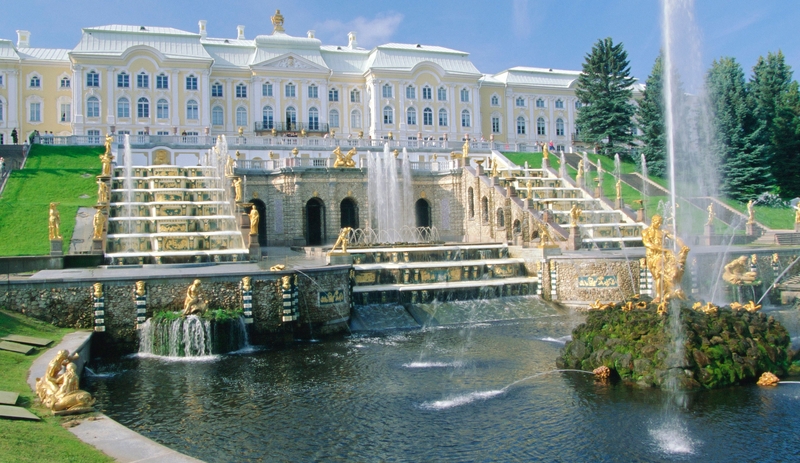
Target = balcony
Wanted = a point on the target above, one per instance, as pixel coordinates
(283, 127)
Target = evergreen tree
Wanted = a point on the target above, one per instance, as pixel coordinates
(605, 89)
(650, 117)
(786, 139)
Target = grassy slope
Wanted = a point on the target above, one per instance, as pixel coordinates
(775, 218)
(52, 173)
(28, 441)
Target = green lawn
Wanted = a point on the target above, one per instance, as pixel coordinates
(28, 441)
(59, 174)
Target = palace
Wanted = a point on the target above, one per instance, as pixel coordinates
(163, 81)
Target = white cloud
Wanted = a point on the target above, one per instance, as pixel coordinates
(369, 32)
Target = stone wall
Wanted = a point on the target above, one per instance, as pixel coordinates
(582, 280)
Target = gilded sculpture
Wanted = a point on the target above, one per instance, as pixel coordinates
(247, 284)
(277, 21)
(193, 303)
(575, 215)
(107, 157)
(529, 187)
(797, 214)
(254, 218)
(54, 222)
(108, 143)
(579, 175)
(344, 160)
(98, 224)
(97, 290)
(618, 187)
(286, 282)
(59, 390)
(711, 214)
(465, 149)
(666, 267)
(751, 213)
(102, 192)
(342, 240)
(237, 189)
(229, 165)
(545, 152)
(140, 288)
(737, 272)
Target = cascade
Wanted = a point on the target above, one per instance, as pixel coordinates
(192, 336)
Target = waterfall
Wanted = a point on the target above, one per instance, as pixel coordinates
(586, 169)
(192, 337)
(390, 200)
(127, 159)
(409, 219)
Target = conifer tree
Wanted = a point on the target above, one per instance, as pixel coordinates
(605, 90)
(650, 117)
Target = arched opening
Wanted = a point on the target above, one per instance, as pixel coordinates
(517, 227)
(262, 221)
(501, 218)
(315, 222)
(485, 210)
(349, 213)
(471, 202)
(422, 213)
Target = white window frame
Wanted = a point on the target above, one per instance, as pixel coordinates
(93, 107)
(464, 95)
(191, 82)
(411, 116)
(192, 110)
(162, 108)
(386, 91)
(123, 112)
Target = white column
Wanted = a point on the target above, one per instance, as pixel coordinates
(302, 111)
(455, 119)
(477, 129)
(205, 99)
(111, 115)
(277, 111)
(229, 96)
(77, 99)
(551, 125)
(177, 107)
(510, 123)
(374, 122)
(402, 127)
(324, 105)
(13, 101)
(254, 99)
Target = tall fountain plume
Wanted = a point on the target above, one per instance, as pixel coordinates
(127, 159)
(645, 185)
(391, 203)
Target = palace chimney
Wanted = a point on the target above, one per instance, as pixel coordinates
(23, 39)
(351, 38)
(240, 32)
(203, 32)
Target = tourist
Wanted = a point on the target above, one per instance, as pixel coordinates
(14, 135)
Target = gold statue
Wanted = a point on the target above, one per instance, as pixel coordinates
(575, 215)
(295, 151)
(360, 134)
(737, 272)
(545, 152)
(105, 160)
(391, 137)
(619, 189)
(529, 186)
(303, 132)
(287, 282)
(254, 218)
(277, 21)
(342, 240)
(193, 304)
(345, 160)
(465, 149)
(237, 189)
(579, 175)
(102, 192)
(98, 223)
(277, 268)
(494, 168)
(751, 214)
(97, 290)
(274, 132)
(241, 131)
(797, 214)
(109, 142)
(667, 268)
(54, 222)
(60, 391)
(247, 284)
(545, 238)
(768, 379)
(711, 214)
(229, 165)
(139, 288)
(396, 153)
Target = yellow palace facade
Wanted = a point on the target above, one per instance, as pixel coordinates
(165, 81)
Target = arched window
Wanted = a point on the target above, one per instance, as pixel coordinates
(541, 129)
(216, 90)
(35, 82)
(290, 90)
(559, 104)
(217, 116)
(313, 91)
(485, 210)
(333, 94)
(520, 102)
(517, 227)
(501, 218)
(471, 202)
(333, 118)
(191, 82)
(162, 81)
(464, 95)
(268, 117)
(241, 116)
(560, 127)
(313, 119)
(143, 107)
(466, 120)
(355, 119)
(192, 110)
(388, 115)
(123, 80)
(162, 109)
(411, 116)
(291, 118)
(427, 116)
(521, 125)
(441, 94)
(92, 107)
(123, 108)
(443, 117)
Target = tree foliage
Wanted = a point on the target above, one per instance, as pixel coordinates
(605, 89)
(650, 117)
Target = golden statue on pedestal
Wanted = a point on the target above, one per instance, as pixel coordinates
(277, 21)
(465, 149)
(102, 192)
(575, 215)
(54, 222)
(711, 214)
(140, 288)
(193, 304)
(345, 160)
(98, 224)
(107, 157)
(254, 218)
(342, 240)
(237, 189)
(579, 175)
(59, 391)
(229, 165)
(751, 214)
(545, 152)
(618, 187)
(737, 272)
(666, 267)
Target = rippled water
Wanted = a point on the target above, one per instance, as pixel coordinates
(481, 391)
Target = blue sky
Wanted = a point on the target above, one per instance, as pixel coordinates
(498, 35)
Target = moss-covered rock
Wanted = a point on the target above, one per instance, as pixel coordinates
(720, 349)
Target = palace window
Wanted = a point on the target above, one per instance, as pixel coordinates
(333, 118)
(92, 107)
(93, 136)
(143, 107)
(560, 127)
(1, 80)
(411, 116)
(540, 103)
(1, 111)
(411, 92)
(559, 104)
(123, 108)
(441, 94)
(65, 113)
(495, 124)
(427, 116)
(290, 91)
(35, 82)
(313, 119)
(541, 128)
(495, 101)
(35, 113)
(191, 82)
(427, 93)
(313, 91)
(291, 118)
(388, 115)
(443, 117)
(142, 80)
(355, 96)
(217, 116)
(162, 109)
(466, 119)
(92, 79)
(266, 89)
(268, 117)
(355, 119)
(65, 82)
(464, 95)
(520, 102)
(333, 94)
(520, 125)
(216, 90)
(241, 116)
(387, 91)
(123, 80)
(241, 91)
(192, 110)
(162, 81)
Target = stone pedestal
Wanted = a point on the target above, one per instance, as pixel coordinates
(547, 216)
(574, 240)
(527, 203)
(598, 191)
(797, 227)
(254, 250)
(545, 163)
(619, 203)
(97, 246)
(339, 258)
(640, 215)
(751, 229)
(510, 190)
(495, 181)
(56, 248)
(708, 231)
